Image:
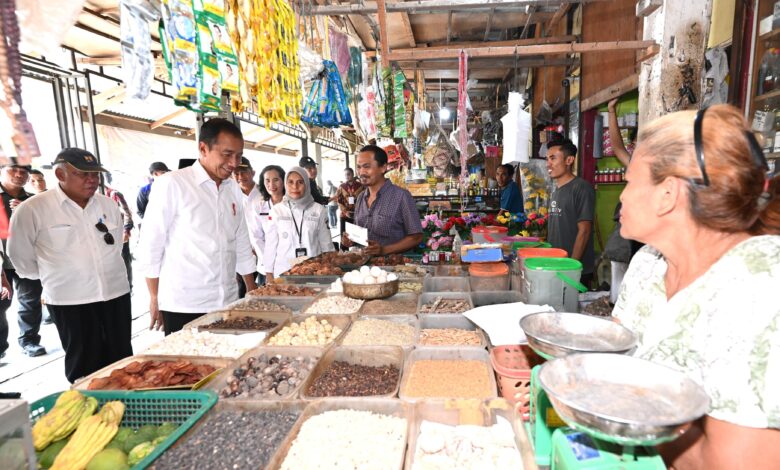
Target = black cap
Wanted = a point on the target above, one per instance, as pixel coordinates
(11, 164)
(305, 162)
(158, 166)
(245, 165)
(79, 159)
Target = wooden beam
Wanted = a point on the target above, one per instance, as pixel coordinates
(649, 53)
(623, 86)
(113, 60)
(108, 98)
(486, 64)
(449, 26)
(507, 51)
(510, 43)
(192, 131)
(408, 29)
(384, 41)
(168, 118)
(433, 6)
(286, 143)
(266, 140)
(489, 23)
(564, 8)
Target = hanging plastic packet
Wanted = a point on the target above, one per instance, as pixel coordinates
(326, 105)
(136, 43)
(355, 66)
(180, 31)
(399, 111)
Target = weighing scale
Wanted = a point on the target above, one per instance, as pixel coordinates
(602, 411)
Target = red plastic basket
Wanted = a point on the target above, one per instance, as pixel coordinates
(513, 364)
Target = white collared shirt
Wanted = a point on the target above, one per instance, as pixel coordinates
(281, 236)
(253, 205)
(53, 239)
(194, 239)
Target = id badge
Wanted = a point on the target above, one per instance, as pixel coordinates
(300, 252)
(351, 200)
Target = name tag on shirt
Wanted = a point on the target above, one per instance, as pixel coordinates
(351, 200)
(300, 252)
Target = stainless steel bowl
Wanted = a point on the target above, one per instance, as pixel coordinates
(621, 398)
(556, 334)
(371, 291)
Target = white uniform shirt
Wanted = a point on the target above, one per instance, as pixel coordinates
(194, 239)
(281, 236)
(53, 239)
(253, 203)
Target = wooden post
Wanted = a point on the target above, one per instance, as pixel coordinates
(383, 39)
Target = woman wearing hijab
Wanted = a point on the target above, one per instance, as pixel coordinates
(300, 226)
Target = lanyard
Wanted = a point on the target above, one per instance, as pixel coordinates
(298, 230)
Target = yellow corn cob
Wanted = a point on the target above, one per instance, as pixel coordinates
(58, 420)
(88, 409)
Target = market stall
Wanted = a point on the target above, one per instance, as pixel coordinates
(479, 348)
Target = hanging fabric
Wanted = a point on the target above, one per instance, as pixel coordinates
(326, 105)
(463, 136)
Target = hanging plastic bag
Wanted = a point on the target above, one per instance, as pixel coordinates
(339, 51)
(355, 66)
(310, 63)
(43, 24)
(399, 110)
(326, 104)
(135, 44)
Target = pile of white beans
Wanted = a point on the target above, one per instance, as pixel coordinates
(334, 304)
(191, 342)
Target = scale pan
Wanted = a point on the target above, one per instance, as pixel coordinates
(622, 399)
(555, 334)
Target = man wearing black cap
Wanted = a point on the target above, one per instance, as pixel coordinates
(311, 169)
(28, 291)
(244, 175)
(70, 238)
(155, 169)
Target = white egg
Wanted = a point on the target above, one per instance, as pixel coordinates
(365, 270)
(369, 279)
(391, 277)
(381, 279)
(376, 272)
(355, 272)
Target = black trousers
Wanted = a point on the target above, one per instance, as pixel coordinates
(175, 321)
(4, 304)
(93, 335)
(28, 292)
(128, 259)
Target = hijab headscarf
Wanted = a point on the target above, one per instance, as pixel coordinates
(307, 199)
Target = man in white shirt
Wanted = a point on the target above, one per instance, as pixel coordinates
(194, 239)
(70, 238)
(245, 177)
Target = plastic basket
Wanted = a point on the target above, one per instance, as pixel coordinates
(513, 364)
(184, 408)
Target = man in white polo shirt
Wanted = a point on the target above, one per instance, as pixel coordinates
(194, 239)
(70, 238)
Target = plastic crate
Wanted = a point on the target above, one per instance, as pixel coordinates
(184, 408)
(513, 364)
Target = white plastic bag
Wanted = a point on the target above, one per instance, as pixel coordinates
(44, 23)
(517, 130)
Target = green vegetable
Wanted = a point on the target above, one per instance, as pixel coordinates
(109, 459)
(139, 452)
(166, 429)
(133, 441)
(148, 431)
(46, 456)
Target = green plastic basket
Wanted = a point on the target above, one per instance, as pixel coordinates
(184, 408)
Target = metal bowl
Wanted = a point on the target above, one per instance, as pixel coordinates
(556, 334)
(371, 291)
(622, 399)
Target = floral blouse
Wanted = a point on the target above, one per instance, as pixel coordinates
(723, 330)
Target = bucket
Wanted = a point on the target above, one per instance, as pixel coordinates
(488, 234)
(553, 281)
(489, 277)
(532, 252)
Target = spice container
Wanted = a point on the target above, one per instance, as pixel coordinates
(216, 362)
(373, 331)
(445, 284)
(444, 322)
(255, 442)
(485, 414)
(488, 277)
(371, 356)
(449, 270)
(409, 287)
(276, 317)
(428, 299)
(481, 299)
(338, 304)
(341, 322)
(471, 376)
(305, 352)
(191, 342)
(258, 304)
(399, 304)
(341, 443)
(275, 290)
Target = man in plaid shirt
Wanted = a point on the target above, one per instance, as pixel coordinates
(127, 217)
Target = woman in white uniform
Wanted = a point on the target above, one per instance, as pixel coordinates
(299, 226)
(271, 186)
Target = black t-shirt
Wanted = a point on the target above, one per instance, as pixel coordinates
(23, 196)
(573, 202)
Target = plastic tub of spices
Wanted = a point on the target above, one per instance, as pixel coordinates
(370, 356)
(376, 333)
(443, 326)
(403, 303)
(445, 284)
(489, 276)
(437, 373)
(342, 440)
(340, 321)
(428, 299)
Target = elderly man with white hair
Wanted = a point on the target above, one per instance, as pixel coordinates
(71, 239)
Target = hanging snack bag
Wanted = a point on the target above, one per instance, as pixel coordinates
(399, 111)
(180, 31)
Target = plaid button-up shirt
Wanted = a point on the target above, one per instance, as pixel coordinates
(392, 217)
